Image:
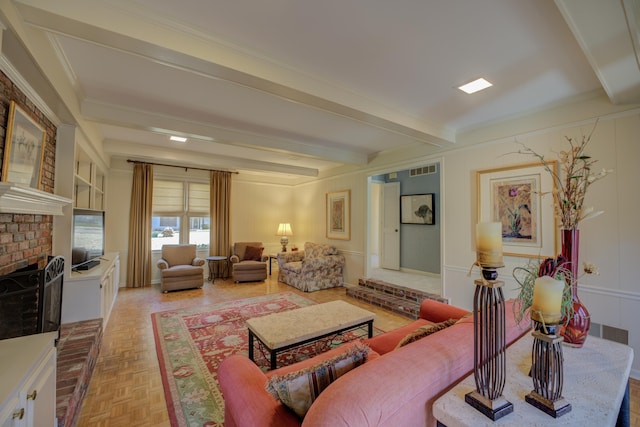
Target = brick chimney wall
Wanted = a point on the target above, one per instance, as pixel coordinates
(25, 239)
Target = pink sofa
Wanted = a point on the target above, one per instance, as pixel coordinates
(395, 387)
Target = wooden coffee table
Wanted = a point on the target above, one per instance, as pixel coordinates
(281, 331)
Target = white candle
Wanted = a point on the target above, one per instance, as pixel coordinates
(547, 300)
(489, 244)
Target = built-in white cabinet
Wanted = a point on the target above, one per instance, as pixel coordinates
(89, 183)
(90, 294)
(28, 386)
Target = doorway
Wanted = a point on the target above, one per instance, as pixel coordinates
(404, 254)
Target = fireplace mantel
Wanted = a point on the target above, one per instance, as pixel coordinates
(20, 199)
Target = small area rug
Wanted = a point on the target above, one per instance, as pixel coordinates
(192, 342)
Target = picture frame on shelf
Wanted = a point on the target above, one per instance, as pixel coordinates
(417, 209)
(513, 196)
(24, 149)
(339, 215)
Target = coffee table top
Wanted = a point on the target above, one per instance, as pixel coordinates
(293, 326)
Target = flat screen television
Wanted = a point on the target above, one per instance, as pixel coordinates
(88, 238)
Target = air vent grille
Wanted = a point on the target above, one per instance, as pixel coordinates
(424, 170)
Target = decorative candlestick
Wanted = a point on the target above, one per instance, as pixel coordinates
(547, 371)
(489, 248)
(489, 355)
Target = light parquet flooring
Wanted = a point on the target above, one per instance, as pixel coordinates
(126, 387)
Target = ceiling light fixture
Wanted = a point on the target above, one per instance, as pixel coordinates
(178, 138)
(475, 86)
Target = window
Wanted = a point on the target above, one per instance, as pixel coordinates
(180, 213)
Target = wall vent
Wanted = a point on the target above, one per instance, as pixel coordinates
(424, 170)
(609, 333)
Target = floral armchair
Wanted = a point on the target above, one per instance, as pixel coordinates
(317, 267)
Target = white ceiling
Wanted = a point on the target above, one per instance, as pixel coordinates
(295, 88)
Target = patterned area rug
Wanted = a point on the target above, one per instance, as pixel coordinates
(192, 342)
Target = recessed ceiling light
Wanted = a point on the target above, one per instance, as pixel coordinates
(178, 138)
(475, 86)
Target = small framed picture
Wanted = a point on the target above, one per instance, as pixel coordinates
(417, 209)
(24, 149)
(339, 215)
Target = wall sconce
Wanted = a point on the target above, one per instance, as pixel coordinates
(284, 230)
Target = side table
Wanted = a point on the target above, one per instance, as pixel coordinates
(271, 258)
(223, 267)
(595, 384)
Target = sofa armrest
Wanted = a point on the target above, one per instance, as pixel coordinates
(247, 402)
(436, 312)
(162, 264)
(197, 261)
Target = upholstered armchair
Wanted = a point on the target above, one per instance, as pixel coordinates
(248, 264)
(180, 268)
(318, 267)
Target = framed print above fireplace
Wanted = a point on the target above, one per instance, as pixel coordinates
(23, 150)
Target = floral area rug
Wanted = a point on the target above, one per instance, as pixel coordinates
(192, 342)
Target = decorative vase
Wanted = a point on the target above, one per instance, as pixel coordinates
(576, 330)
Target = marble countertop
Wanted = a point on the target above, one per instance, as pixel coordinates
(595, 380)
(279, 330)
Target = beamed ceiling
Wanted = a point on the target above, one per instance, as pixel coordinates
(289, 90)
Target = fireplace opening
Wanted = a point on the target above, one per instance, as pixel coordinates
(31, 300)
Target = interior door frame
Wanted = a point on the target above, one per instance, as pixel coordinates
(397, 168)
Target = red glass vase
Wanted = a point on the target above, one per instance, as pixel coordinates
(576, 330)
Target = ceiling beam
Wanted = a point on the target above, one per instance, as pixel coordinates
(114, 28)
(186, 158)
(146, 120)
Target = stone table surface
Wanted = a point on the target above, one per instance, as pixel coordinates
(279, 330)
(595, 380)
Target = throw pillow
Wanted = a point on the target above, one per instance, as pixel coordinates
(253, 253)
(424, 331)
(298, 390)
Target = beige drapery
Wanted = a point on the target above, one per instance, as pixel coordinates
(220, 214)
(139, 259)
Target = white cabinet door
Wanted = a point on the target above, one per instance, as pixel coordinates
(12, 414)
(40, 394)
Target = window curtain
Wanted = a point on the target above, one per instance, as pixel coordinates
(220, 215)
(139, 259)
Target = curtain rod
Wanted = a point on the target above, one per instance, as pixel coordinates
(176, 166)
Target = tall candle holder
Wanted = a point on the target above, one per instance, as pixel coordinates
(489, 339)
(547, 371)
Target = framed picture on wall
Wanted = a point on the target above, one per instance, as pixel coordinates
(339, 215)
(23, 150)
(417, 209)
(512, 196)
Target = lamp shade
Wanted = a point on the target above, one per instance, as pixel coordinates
(284, 229)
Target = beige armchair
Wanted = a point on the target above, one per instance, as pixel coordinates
(180, 268)
(248, 264)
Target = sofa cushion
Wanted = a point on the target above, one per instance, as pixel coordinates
(297, 390)
(425, 331)
(386, 342)
(253, 253)
(316, 250)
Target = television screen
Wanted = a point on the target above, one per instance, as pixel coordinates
(88, 236)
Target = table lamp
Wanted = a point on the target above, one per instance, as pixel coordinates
(284, 230)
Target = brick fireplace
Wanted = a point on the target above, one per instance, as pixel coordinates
(26, 239)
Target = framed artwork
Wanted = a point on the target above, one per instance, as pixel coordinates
(417, 209)
(339, 215)
(513, 196)
(23, 149)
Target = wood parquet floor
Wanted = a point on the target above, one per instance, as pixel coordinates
(126, 387)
